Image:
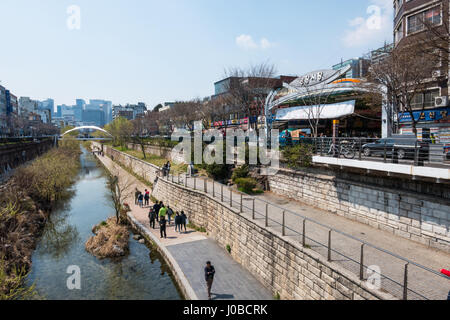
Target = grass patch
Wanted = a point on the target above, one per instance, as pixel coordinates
(198, 229)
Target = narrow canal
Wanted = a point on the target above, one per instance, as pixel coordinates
(142, 275)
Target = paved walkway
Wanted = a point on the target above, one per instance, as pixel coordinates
(422, 284)
(192, 249)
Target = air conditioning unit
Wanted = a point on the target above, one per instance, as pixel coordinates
(441, 101)
(437, 73)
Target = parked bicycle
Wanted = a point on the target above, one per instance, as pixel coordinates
(345, 148)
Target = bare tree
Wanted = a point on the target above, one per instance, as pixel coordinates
(315, 99)
(140, 130)
(165, 121)
(120, 189)
(404, 74)
(247, 89)
(185, 113)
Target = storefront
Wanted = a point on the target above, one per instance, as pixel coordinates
(316, 99)
(232, 124)
(433, 124)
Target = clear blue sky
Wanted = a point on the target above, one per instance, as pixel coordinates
(156, 51)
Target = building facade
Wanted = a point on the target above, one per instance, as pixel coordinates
(27, 105)
(413, 18)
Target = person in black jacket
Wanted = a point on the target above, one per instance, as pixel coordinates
(162, 227)
(183, 222)
(156, 208)
(209, 277)
(152, 217)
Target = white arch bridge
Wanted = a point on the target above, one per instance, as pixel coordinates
(88, 128)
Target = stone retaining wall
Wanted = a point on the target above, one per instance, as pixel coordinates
(14, 155)
(282, 265)
(411, 209)
(147, 171)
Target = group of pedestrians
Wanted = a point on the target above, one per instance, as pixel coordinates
(163, 215)
(142, 199)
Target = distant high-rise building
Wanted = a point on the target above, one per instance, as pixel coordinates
(81, 103)
(59, 111)
(78, 112)
(94, 117)
(49, 105)
(26, 105)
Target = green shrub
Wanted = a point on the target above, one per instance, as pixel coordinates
(229, 248)
(240, 172)
(246, 184)
(298, 156)
(218, 171)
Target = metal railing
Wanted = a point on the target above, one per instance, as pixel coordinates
(401, 277)
(398, 149)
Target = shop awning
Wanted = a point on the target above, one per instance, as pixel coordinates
(329, 111)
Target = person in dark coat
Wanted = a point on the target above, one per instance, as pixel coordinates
(183, 221)
(178, 223)
(141, 200)
(209, 277)
(156, 208)
(152, 217)
(162, 227)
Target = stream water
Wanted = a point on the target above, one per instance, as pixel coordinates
(142, 275)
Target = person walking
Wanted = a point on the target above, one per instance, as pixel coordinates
(183, 221)
(141, 200)
(136, 197)
(162, 212)
(209, 277)
(147, 197)
(162, 226)
(178, 222)
(169, 214)
(152, 217)
(156, 208)
(168, 167)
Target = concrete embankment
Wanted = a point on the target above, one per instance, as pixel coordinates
(186, 253)
(280, 263)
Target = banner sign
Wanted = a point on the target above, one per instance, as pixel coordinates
(429, 115)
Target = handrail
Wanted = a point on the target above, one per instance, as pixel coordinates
(347, 235)
(310, 220)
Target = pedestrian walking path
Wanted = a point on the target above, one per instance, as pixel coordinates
(191, 250)
(346, 247)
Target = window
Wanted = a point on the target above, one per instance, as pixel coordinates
(433, 16)
(399, 33)
(424, 100)
(416, 22)
(429, 97)
(417, 101)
